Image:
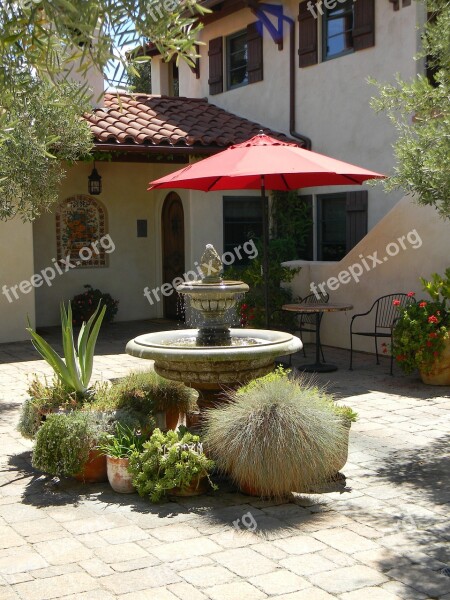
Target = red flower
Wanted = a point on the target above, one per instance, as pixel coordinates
(433, 334)
(429, 344)
(411, 294)
(422, 304)
(384, 350)
(396, 302)
(435, 354)
(400, 357)
(432, 319)
(244, 307)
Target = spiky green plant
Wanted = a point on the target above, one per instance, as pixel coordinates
(75, 373)
(277, 435)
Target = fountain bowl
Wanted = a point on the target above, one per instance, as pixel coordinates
(213, 367)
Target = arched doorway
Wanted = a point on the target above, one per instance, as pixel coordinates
(172, 228)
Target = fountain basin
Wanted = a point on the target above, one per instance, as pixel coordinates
(213, 367)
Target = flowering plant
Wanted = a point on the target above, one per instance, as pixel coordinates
(84, 305)
(422, 328)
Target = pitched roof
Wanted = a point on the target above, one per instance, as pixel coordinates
(147, 121)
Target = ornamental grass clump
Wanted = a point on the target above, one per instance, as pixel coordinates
(277, 435)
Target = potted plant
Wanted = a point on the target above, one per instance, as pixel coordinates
(118, 447)
(151, 397)
(76, 370)
(66, 446)
(171, 463)
(278, 435)
(44, 399)
(421, 334)
(84, 305)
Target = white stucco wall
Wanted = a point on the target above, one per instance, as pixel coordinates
(16, 266)
(427, 251)
(332, 104)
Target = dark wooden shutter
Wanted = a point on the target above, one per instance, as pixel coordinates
(215, 54)
(364, 24)
(356, 209)
(255, 53)
(307, 36)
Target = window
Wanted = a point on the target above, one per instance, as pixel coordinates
(338, 30)
(331, 227)
(345, 28)
(243, 60)
(242, 221)
(237, 60)
(340, 222)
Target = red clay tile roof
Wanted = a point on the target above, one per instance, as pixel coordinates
(144, 120)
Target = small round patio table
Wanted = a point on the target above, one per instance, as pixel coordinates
(317, 309)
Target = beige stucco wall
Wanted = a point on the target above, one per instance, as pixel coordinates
(16, 266)
(332, 105)
(136, 262)
(427, 250)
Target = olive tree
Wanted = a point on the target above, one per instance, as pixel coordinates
(420, 111)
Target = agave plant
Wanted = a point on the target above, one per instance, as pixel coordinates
(75, 370)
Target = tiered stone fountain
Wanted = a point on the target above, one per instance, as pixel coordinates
(213, 357)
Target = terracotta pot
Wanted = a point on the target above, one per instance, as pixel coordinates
(172, 418)
(249, 490)
(118, 476)
(94, 471)
(341, 458)
(440, 371)
(198, 486)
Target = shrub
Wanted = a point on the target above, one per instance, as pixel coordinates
(171, 460)
(64, 441)
(144, 393)
(277, 435)
(43, 399)
(83, 305)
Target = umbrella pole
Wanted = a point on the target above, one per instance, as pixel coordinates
(265, 261)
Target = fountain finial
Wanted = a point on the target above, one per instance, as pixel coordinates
(211, 265)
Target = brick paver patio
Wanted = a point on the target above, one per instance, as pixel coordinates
(383, 534)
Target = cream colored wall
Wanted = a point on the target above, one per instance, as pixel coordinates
(135, 262)
(16, 266)
(398, 273)
(332, 97)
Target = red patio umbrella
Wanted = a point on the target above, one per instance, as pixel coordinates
(264, 163)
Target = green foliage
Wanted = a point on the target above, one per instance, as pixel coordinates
(41, 127)
(75, 373)
(423, 327)
(291, 224)
(277, 435)
(83, 305)
(423, 144)
(141, 394)
(43, 399)
(171, 460)
(141, 80)
(122, 443)
(64, 441)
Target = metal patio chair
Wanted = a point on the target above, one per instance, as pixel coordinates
(385, 315)
(303, 322)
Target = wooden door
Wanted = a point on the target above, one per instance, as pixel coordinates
(172, 227)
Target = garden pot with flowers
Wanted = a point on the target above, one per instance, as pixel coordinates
(421, 336)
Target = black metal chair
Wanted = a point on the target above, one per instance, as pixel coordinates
(301, 322)
(306, 322)
(385, 316)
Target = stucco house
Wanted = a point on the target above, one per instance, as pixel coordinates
(297, 71)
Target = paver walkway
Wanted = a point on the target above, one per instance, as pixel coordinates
(384, 534)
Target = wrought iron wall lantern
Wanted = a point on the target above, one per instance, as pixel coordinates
(94, 183)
